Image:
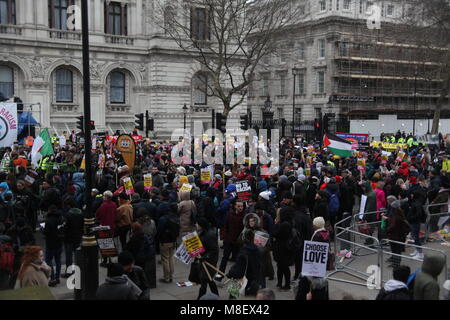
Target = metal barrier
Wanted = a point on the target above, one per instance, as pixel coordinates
(344, 233)
(413, 263)
(434, 217)
(348, 237)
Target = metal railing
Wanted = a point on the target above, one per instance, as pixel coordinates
(348, 236)
(432, 219)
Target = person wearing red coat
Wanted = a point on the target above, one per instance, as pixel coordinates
(404, 171)
(234, 224)
(106, 213)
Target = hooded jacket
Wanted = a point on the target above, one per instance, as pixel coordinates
(394, 290)
(52, 223)
(116, 288)
(248, 263)
(426, 286)
(74, 225)
(185, 208)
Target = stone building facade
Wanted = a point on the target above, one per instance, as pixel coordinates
(344, 68)
(134, 67)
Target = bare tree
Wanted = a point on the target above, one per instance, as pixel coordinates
(215, 33)
(426, 24)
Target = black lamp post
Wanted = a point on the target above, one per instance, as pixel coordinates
(87, 257)
(185, 110)
(294, 73)
(267, 114)
(415, 94)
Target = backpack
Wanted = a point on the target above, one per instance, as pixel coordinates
(333, 203)
(147, 249)
(6, 257)
(173, 226)
(294, 243)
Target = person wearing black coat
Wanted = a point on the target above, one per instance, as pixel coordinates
(207, 209)
(208, 237)
(54, 235)
(396, 289)
(303, 224)
(73, 231)
(116, 286)
(51, 196)
(248, 264)
(143, 250)
(282, 251)
(321, 206)
(415, 217)
(167, 238)
(135, 274)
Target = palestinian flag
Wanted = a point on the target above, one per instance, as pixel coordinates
(337, 145)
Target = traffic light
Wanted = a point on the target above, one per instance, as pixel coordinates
(92, 124)
(221, 122)
(19, 104)
(150, 124)
(326, 122)
(317, 127)
(80, 123)
(139, 121)
(244, 122)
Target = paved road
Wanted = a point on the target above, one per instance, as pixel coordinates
(337, 289)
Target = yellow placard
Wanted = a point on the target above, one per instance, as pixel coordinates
(127, 147)
(386, 145)
(148, 181)
(193, 244)
(361, 162)
(128, 185)
(308, 171)
(186, 187)
(205, 176)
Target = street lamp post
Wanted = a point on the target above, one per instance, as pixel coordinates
(185, 109)
(87, 257)
(294, 73)
(415, 94)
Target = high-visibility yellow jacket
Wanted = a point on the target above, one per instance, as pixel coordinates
(446, 165)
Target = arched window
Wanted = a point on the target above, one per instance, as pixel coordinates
(169, 17)
(64, 85)
(200, 88)
(6, 81)
(117, 87)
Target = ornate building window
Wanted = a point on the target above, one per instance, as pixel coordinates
(117, 87)
(58, 13)
(6, 81)
(64, 85)
(200, 89)
(7, 12)
(200, 24)
(116, 18)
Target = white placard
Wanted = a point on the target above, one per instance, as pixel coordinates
(62, 141)
(315, 258)
(183, 255)
(362, 206)
(8, 124)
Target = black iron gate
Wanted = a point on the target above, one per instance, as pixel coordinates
(301, 128)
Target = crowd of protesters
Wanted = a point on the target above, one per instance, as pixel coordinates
(308, 193)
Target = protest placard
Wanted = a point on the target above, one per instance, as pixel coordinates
(105, 241)
(315, 258)
(148, 181)
(182, 254)
(193, 244)
(261, 239)
(205, 176)
(128, 186)
(243, 190)
(186, 187)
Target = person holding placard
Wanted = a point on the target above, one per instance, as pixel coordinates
(209, 241)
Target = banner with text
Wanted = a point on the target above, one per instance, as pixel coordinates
(315, 258)
(8, 124)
